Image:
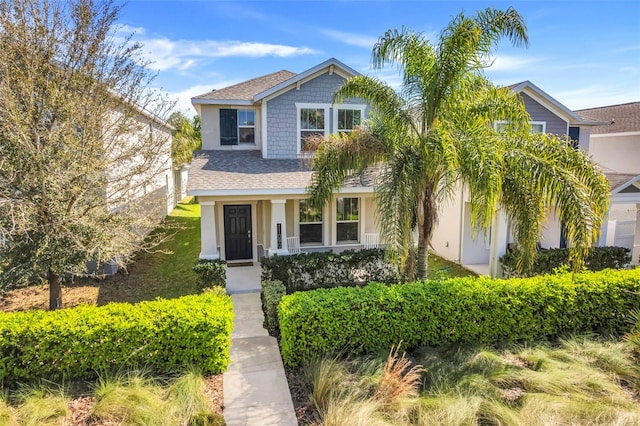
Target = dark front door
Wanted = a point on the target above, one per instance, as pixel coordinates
(237, 232)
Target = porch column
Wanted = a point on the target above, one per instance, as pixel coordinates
(209, 241)
(635, 253)
(610, 236)
(278, 229)
(498, 245)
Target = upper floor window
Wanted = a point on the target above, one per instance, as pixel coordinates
(312, 121)
(310, 224)
(237, 126)
(536, 126)
(347, 117)
(347, 220)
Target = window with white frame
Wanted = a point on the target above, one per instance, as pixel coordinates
(347, 220)
(536, 126)
(310, 224)
(347, 117)
(312, 121)
(237, 126)
(247, 126)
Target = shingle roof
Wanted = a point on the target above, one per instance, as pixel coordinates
(616, 179)
(621, 118)
(246, 90)
(220, 172)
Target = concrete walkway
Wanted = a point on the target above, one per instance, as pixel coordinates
(255, 387)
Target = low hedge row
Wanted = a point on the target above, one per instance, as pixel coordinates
(211, 273)
(482, 310)
(78, 343)
(272, 293)
(308, 271)
(547, 260)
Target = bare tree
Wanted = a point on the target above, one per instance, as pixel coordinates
(80, 140)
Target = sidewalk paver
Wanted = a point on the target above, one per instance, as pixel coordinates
(255, 386)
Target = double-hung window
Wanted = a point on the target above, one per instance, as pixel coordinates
(237, 126)
(313, 120)
(310, 224)
(347, 117)
(347, 220)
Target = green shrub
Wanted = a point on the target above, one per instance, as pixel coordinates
(77, 343)
(211, 273)
(272, 293)
(308, 271)
(480, 310)
(548, 260)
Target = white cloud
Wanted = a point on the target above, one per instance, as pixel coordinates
(352, 39)
(594, 96)
(183, 98)
(165, 54)
(504, 63)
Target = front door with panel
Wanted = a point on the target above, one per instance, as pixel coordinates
(237, 232)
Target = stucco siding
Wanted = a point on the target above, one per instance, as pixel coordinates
(210, 125)
(282, 119)
(539, 112)
(446, 236)
(620, 153)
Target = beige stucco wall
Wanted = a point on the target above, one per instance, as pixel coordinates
(550, 235)
(620, 153)
(210, 124)
(446, 237)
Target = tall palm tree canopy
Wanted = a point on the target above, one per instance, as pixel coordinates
(437, 133)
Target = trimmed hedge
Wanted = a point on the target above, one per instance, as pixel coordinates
(309, 271)
(211, 273)
(481, 310)
(79, 343)
(547, 260)
(272, 293)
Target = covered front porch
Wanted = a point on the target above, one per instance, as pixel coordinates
(242, 229)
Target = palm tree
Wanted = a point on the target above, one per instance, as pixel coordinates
(437, 133)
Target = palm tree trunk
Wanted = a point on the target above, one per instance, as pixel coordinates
(55, 290)
(427, 218)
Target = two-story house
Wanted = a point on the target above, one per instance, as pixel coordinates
(251, 175)
(615, 145)
(455, 239)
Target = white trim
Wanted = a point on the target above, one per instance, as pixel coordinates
(626, 184)
(339, 68)
(354, 107)
(550, 103)
(544, 126)
(304, 105)
(609, 135)
(263, 133)
(358, 221)
(269, 191)
(207, 203)
(297, 223)
(197, 101)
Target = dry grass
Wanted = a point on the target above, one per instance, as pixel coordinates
(579, 381)
(399, 380)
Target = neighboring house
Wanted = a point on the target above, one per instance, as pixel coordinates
(616, 146)
(454, 238)
(251, 175)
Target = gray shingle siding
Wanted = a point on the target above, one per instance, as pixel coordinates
(282, 120)
(538, 112)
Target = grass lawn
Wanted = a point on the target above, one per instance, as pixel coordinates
(166, 272)
(579, 381)
(439, 267)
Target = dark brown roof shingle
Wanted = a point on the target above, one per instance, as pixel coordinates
(246, 90)
(229, 171)
(620, 118)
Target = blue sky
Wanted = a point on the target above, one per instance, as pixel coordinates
(585, 54)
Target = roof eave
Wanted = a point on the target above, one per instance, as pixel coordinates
(298, 77)
(573, 118)
(200, 101)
